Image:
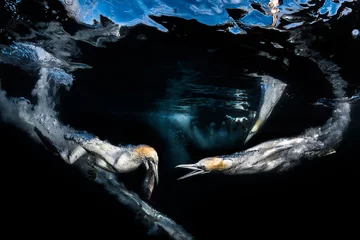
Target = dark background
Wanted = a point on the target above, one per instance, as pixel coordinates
(41, 193)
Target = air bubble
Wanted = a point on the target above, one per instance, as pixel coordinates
(355, 33)
(68, 2)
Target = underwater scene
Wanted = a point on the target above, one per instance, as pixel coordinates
(191, 119)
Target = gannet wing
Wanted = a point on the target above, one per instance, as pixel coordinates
(276, 144)
(95, 146)
(76, 153)
(68, 156)
(104, 165)
(47, 141)
(271, 92)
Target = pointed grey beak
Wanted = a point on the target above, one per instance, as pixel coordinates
(197, 170)
(154, 170)
(151, 178)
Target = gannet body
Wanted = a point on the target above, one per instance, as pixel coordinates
(276, 155)
(117, 159)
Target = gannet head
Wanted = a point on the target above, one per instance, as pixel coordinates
(206, 165)
(149, 157)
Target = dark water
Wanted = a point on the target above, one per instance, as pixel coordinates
(154, 73)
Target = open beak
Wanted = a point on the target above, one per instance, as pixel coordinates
(194, 167)
(154, 170)
(151, 179)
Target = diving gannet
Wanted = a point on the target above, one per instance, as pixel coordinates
(116, 159)
(284, 153)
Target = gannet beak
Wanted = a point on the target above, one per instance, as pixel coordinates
(154, 169)
(151, 178)
(197, 170)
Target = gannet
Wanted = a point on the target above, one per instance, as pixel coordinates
(284, 153)
(117, 159)
(279, 154)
